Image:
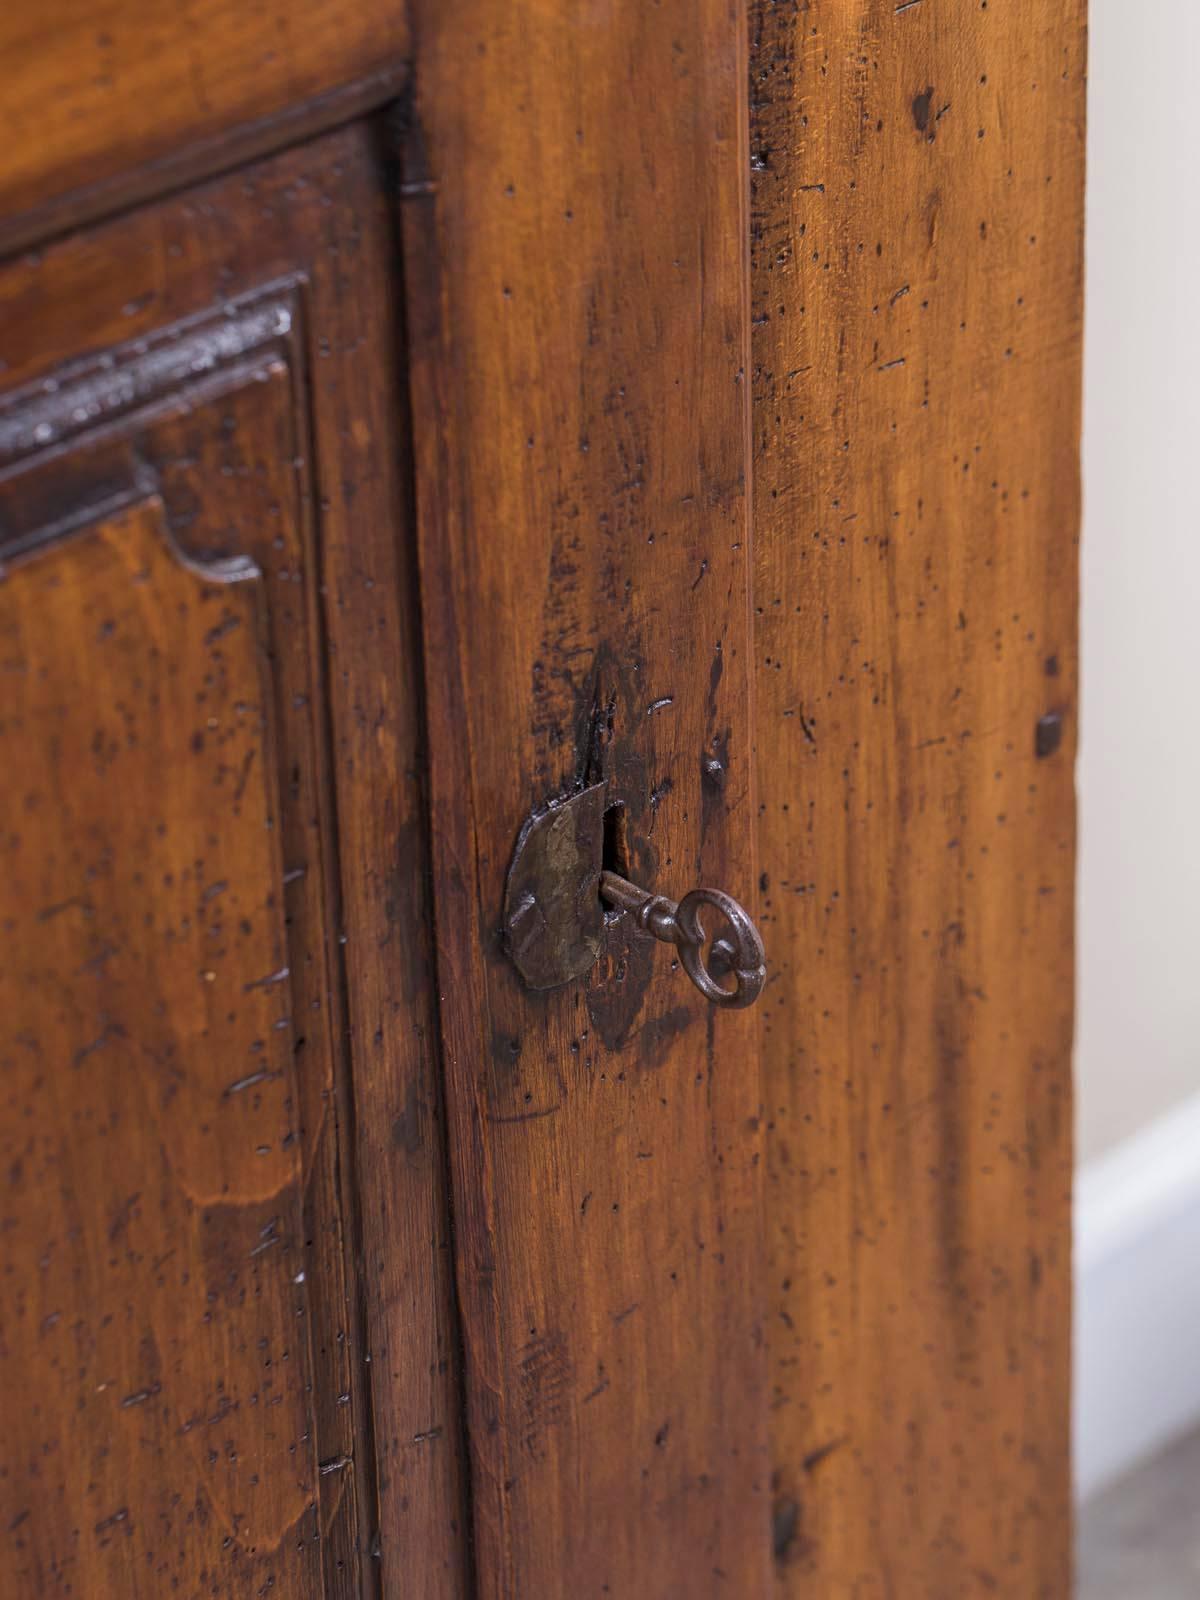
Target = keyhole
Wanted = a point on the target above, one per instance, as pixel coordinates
(616, 840)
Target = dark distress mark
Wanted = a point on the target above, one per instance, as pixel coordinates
(921, 107)
(785, 1523)
(545, 1382)
(506, 1048)
(1047, 736)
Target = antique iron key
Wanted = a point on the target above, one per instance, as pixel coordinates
(682, 925)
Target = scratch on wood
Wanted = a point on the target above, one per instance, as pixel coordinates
(815, 1457)
(528, 1116)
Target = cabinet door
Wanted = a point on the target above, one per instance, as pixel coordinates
(212, 910)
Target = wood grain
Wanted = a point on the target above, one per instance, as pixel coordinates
(575, 237)
(156, 1207)
(214, 706)
(360, 409)
(917, 206)
(100, 105)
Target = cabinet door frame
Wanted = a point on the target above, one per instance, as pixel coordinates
(574, 215)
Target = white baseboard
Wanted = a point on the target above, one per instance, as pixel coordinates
(1137, 1298)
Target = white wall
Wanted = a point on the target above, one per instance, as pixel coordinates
(1138, 1050)
(1137, 1375)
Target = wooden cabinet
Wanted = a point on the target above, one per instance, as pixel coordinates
(402, 429)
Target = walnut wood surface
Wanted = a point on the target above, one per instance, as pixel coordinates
(917, 206)
(575, 243)
(228, 1338)
(102, 104)
(196, 507)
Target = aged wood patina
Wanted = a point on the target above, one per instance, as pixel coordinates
(644, 436)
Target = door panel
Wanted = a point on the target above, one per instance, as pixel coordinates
(575, 240)
(167, 923)
(202, 518)
(917, 228)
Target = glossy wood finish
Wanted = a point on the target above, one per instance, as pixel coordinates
(917, 210)
(101, 105)
(575, 243)
(229, 1342)
(208, 660)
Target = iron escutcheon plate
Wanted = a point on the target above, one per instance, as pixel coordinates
(553, 914)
